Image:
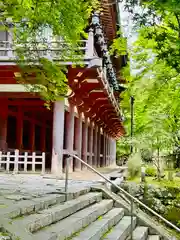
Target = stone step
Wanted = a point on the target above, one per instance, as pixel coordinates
(140, 233)
(29, 206)
(54, 214)
(74, 223)
(34, 205)
(74, 192)
(153, 237)
(122, 230)
(98, 228)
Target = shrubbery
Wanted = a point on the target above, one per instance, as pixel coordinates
(134, 165)
(173, 215)
(151, 171)
(163, 200)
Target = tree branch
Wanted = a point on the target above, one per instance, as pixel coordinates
(178, 21)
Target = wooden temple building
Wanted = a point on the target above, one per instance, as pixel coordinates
(86, 123)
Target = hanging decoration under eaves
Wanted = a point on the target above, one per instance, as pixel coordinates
(110, 72)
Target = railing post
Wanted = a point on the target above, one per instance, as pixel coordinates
(25, 161)
(90, 45)
(16, 159)
(9, 44)
(43, 163)
(8, 161)
(67, 177)
(0, 159)
(49, 51)
(132, 223)
(33, 162)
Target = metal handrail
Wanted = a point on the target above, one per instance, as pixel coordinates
(119, 188)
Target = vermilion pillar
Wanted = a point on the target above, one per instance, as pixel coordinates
(91, 144)
(3, 133)
(114, 143)
(3, 124)
(78, 141)
(95, 145)
(110, 151)
(104, 150)
(85, 142)
(58, 137)
(19, 129)
(113, 152)
(70, 135)
(106, 162)
(98, 147)
(107, 151)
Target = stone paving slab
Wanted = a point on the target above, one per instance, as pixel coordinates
(16, 188)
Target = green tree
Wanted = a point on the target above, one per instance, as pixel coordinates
(155, 83)
(158, 20)
(155, 87)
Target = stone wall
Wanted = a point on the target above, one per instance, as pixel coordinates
(164, 200)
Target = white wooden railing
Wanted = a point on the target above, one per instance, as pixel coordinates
(54, 50)
(17, 159)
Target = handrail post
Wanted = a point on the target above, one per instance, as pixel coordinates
(132, 223)
(67, 177)
(90, 44)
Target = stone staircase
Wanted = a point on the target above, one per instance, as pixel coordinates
(85, 216)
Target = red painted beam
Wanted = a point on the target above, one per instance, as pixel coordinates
(18, 95)
(26, 102)
(37, 110)
(80, 74)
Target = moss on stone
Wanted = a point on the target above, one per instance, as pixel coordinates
(3, 205)
(76, 234)
(110, 230)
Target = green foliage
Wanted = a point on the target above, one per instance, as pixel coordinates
(134, 165)
(33, 25)
(119, 46)
(122, 148)
(50, 80)
(151, 171)
(162, 27)
(155, 87)
(146, 155)
(173, 215)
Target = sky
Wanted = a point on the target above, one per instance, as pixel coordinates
(127, 25)
(128, 32)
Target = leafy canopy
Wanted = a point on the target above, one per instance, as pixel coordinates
(155, 80)
(156, 111)
(35, 23)
(158, 20)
